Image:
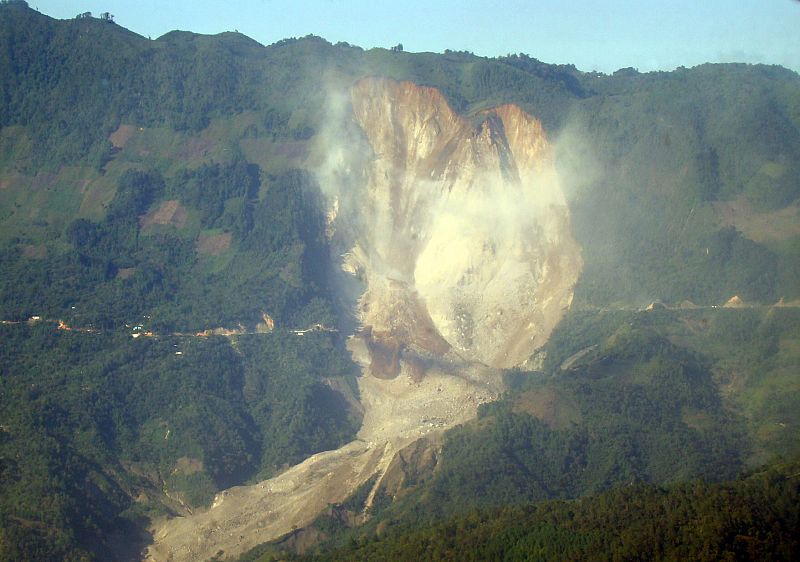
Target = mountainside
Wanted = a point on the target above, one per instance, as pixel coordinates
(246, 285)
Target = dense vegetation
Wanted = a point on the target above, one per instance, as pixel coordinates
(97, 425)
(161, 185)
(113, 272)
(753, 518)
(101, 430)
(666, 147)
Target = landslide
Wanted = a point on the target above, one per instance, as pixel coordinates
(452, 240)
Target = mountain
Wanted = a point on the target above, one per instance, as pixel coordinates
(309, 292)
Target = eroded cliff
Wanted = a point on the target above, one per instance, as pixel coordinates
(457, 227)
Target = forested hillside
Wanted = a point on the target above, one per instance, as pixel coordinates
(101, 431)
(752, 518)
(166, 189)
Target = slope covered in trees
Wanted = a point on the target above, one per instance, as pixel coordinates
(752, 518)
(101, 431)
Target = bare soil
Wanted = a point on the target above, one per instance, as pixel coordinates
(549, 406)
(169, 212)
(760, 226)
(125, 272)
(215, 244)
(34, 252)
(187, 466)
(121, 136)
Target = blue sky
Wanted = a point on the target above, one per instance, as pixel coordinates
(593, 35)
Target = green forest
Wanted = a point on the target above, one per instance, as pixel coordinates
(164, 189)
(754, 517)
(97, 426)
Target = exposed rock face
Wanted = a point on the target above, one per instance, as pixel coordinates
(458, 229)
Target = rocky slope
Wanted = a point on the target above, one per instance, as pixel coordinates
(459, 230)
